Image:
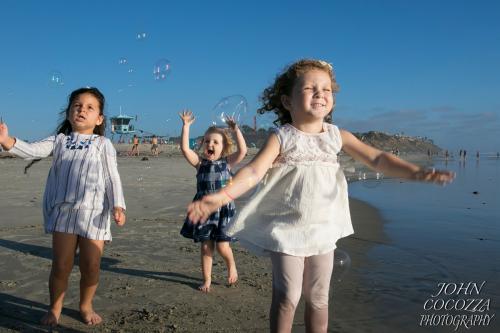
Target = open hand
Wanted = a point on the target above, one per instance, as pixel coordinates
(441, 177)
(231, 122)
(187, 117)
(199, 211)
(119, 216)
(4, 132)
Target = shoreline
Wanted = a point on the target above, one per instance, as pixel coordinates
(149, 272)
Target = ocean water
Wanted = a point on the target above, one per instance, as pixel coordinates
(437, 237)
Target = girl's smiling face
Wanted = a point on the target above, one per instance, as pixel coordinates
(85, 114)
(311, 97)
(213, 144)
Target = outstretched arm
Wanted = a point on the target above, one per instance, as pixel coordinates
(389, 164)
(189, 154)
(246, 178)
(241, 145)
(23, 149)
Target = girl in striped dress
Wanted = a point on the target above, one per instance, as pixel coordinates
(82, 193)
(213, 173)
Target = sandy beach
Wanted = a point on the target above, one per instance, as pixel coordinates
(149, 273)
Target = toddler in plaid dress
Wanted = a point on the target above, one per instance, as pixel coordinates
(213, 173)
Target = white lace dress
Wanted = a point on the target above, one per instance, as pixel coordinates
(301, 207)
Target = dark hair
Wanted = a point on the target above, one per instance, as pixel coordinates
(65, 126)
(283, 85)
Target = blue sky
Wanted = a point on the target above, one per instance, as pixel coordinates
(426, 68)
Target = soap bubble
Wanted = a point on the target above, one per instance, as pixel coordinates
(341, 264)
(55, 79)
(234, 106)
(161, 69)
(252, 187)
(141, 36)
(122, 61)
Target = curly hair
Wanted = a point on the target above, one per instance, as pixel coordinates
(227, 141)
(283, 85)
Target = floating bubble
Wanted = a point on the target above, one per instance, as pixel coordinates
(141, 36)
(341, 264)
(122, 61)
(161, 69)
(55, 79)
(130, 70)
(251, 185)
(234, 106)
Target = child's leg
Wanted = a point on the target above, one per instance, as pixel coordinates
(226, 253)
(287, 285)
(207, 254)
(63, 254)
(316, 285)
(90, 261)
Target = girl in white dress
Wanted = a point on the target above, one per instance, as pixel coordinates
(301, 208)
(83, 191)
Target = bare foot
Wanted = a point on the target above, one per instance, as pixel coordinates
(51, 318)
(205, 287)
(90, 317)
(232, 275)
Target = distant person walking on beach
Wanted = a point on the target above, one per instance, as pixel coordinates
(83, 191)
(301, 208)
(135, 146)
(154, 146)
(213, 173)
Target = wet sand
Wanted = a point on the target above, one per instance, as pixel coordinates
(149, 273)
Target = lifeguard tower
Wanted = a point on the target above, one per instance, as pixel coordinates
(121, 125)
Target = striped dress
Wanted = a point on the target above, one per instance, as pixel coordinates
(83, 185)
(211, 177)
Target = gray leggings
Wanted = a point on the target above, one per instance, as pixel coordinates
(293, 276)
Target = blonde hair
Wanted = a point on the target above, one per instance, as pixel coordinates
(283, 85)
(227, 141)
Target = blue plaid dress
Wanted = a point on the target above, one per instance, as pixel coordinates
(211, 177)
